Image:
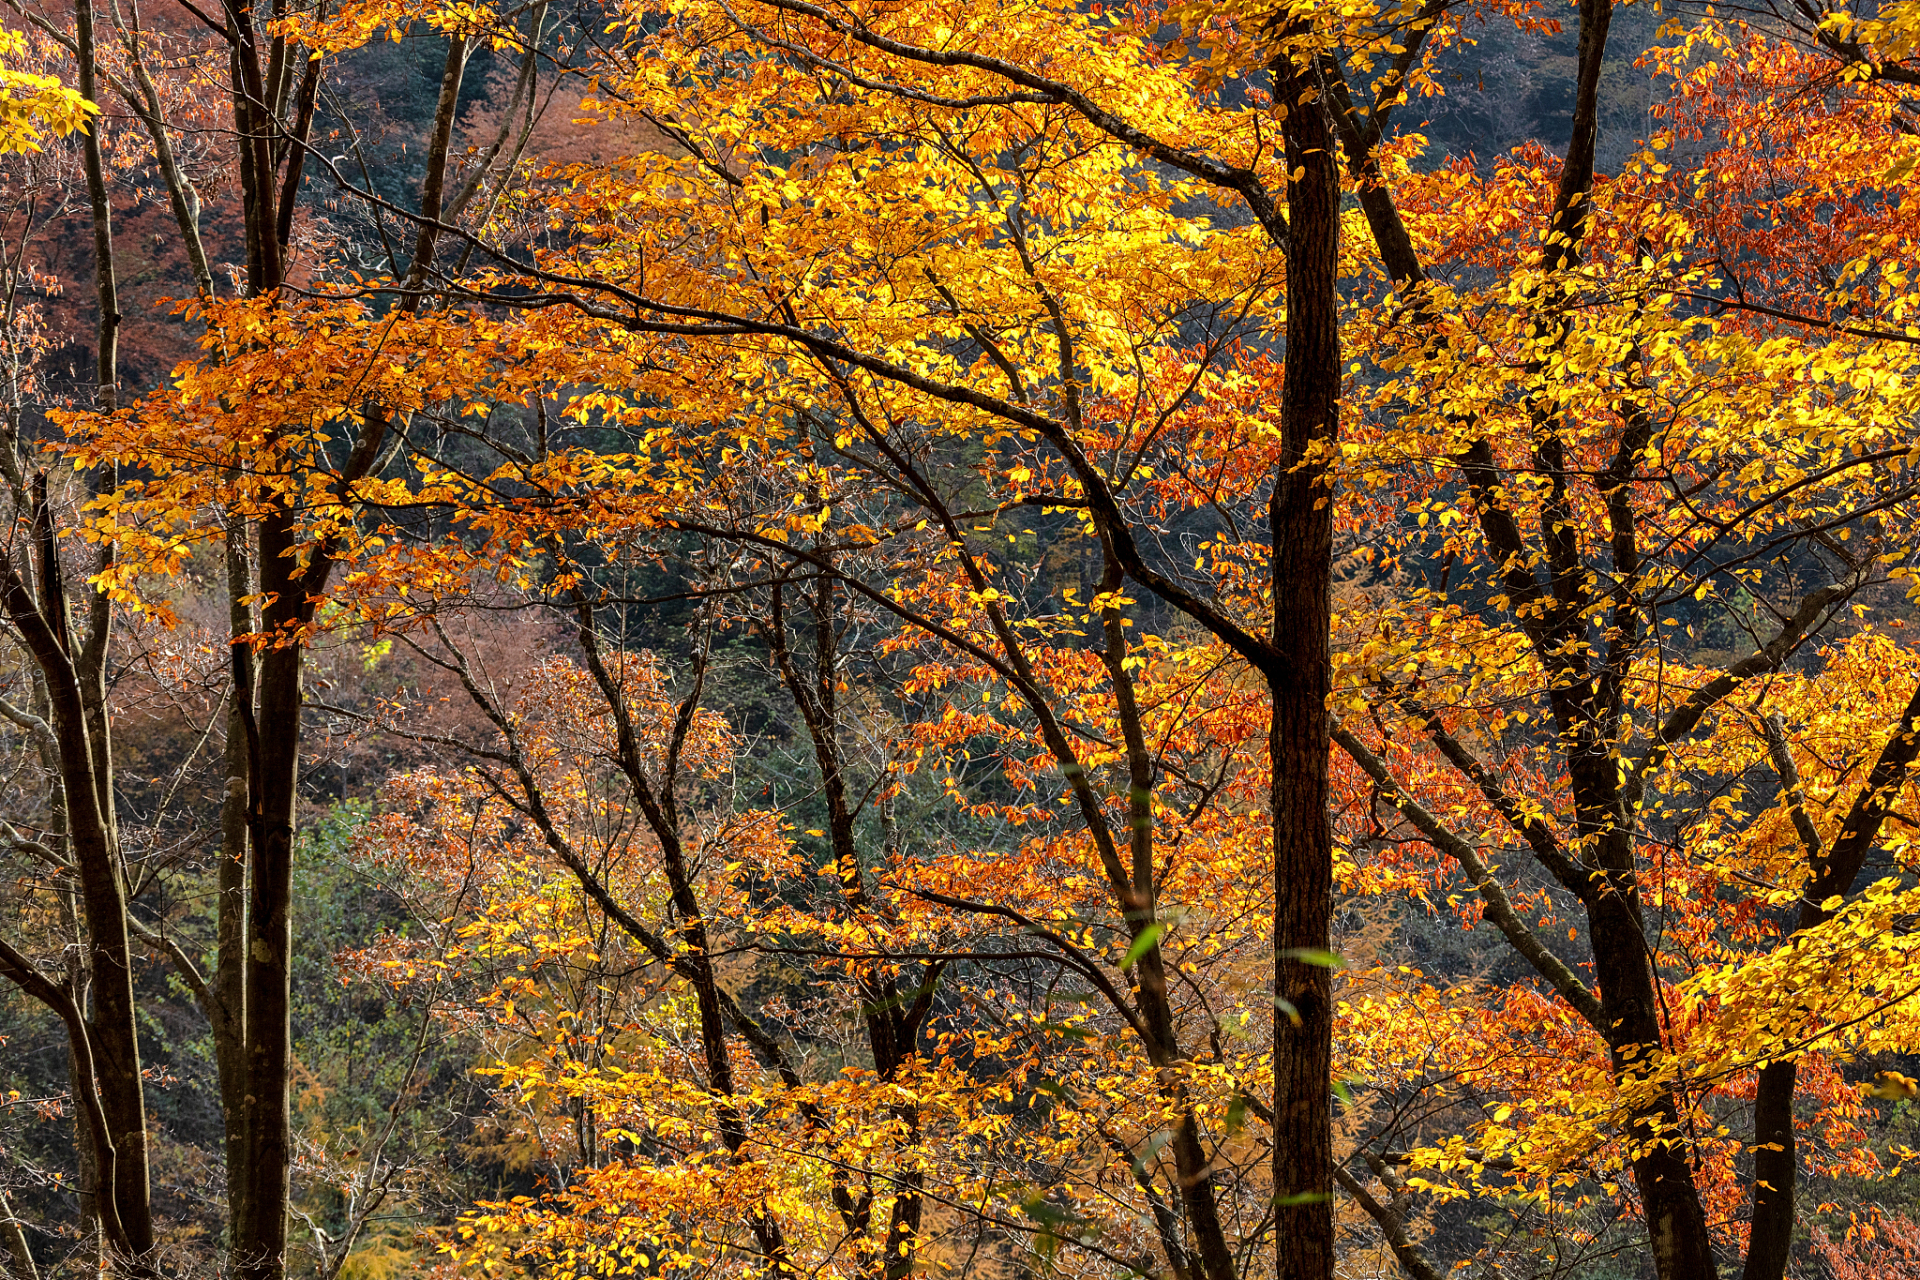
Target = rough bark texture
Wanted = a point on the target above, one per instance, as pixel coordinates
(260, 1237)
(86, 758)
(227, 1011)
(259, 1179)
(272, 155)
(1301, 520)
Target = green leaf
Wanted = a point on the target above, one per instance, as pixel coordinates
(1314, 956)
(1155, 1145)
(1066, 1029)
(1052, 1088)
(1148, 936)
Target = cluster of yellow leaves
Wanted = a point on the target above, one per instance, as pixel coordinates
(34, 106)
(871, 232)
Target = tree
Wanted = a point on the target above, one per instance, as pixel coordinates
(282, 541)
(1650, 501)
(1549, 384)
(995, 382)
(793, 154)
(954, 1040)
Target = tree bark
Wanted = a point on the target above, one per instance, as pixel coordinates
(260, 1237)
(1770, 1234)
(227, 1011)
(258, 1179)
(289, 586)
(1301, 524)
(112, 1028)
(1770, 1242)
(86, 758)
(1676, 1223)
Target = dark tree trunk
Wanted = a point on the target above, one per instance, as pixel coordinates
(260, 1236)
(1676, 1225)
(1834, 874)
(1770, 1239)
(227, 1010)
(289, 588)
(85, 750)
(258, 1179)
(1301, 521)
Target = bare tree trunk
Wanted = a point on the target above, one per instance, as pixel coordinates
(78, 685)
(86, 1167)
(1775, 1168)
(1301, 521)
(259, 1225)
(228, 1011)
(16, 1238)
(261, 1235)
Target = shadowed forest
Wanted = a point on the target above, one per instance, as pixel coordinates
(996, 639)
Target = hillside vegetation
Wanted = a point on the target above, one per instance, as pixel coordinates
(764, 639)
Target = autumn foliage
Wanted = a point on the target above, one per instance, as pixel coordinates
(994, 638)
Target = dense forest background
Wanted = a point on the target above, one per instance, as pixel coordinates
(402, 1120)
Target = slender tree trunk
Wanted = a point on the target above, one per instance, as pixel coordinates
(1301, 522)
(230, 975)
(106, 289)
(15, 1235)
(261, 1243)
(86, 1167)
(1835, 872)
(255, 130)
(112, 1025)
(115, 1032)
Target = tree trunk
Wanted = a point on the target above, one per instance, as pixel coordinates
(260, 1238)
(86, 759)
(1676, 1224)
(228, 1011)
(1834, 875)
(1770, 1241)
(1301, 521)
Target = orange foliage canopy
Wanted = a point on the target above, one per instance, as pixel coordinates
(939, 355)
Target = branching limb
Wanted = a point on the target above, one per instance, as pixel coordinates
(1686, 717)
(1410, 1256)
(1539, 837)
(1499, 908)
(1781, 756)
(22, 973)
